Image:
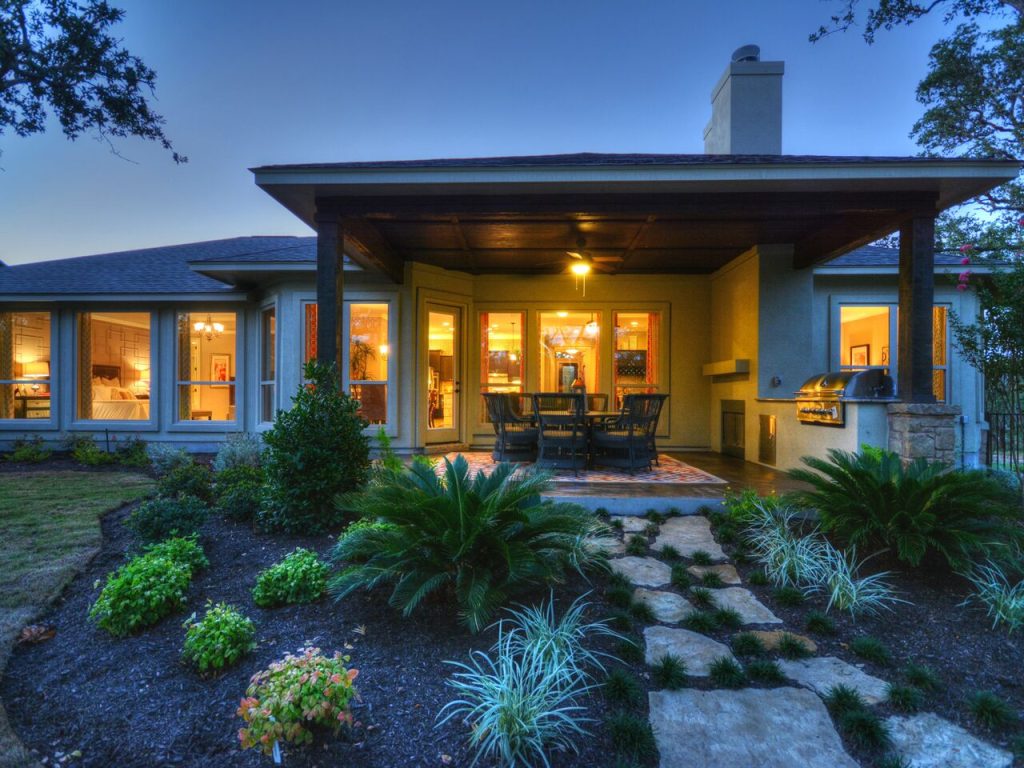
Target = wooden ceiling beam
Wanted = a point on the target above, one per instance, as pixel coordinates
(637, 238)
(460, 236)
(367, 247)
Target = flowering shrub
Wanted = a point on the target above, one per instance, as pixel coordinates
(282, 702)
(299, 578)
(147, 587)
(221, 638)
(159, 519)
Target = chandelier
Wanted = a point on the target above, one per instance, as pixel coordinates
(209, 329)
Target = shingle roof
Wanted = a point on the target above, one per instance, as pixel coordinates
(881, 256)
(585, 159)
(150, 270)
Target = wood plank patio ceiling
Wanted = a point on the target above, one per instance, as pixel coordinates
(694, 234)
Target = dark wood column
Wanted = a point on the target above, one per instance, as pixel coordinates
(330, 285)
(917, 295)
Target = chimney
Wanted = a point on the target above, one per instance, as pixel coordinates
(746, 107)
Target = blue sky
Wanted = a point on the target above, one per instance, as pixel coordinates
(248, 83)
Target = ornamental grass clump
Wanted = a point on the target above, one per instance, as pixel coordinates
(219, 639)
(837, 576)
(994, 590)
(872, 500)
(300, 578)
(285, 700)
(475, 540)
(147, 587)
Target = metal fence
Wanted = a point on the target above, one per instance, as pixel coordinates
(1004, 448)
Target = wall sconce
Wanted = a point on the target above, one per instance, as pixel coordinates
(384, 350)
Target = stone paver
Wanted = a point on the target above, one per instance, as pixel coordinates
(668, 607)
(610, 545)
(928, 741)
(634, 524)
(643, 571)
(693, 648)
(727, 573)
(750, 609)
(772, 638)
(822, 673)
(688, 535)
(750, 728)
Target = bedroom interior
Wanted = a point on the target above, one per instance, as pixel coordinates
(114, 366)
(25, 365)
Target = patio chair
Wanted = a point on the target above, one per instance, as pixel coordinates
(562, 430)
(628, 442)
(515, 434)
(597, 402)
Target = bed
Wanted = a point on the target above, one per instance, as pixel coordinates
(111, 401)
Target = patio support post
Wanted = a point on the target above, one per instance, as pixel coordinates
(330, 285)
(916, 296)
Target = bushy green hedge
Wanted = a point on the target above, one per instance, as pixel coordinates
(163, 518)
(29, 450)
(239, 492)
(187, 479)
(315, 451)
(219, 639)
(147, 587)
(300, 578)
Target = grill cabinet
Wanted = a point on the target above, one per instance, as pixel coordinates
(822, 399)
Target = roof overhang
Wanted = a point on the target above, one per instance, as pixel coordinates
(687, 214)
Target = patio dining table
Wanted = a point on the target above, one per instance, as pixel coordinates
(590, 417)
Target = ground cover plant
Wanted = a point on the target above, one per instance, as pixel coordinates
(29, 450)
(300, 578)
(315, 450)
(188, 478)
(473, 540)
(219, 639)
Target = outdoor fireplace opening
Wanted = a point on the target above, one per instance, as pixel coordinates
(733, 426)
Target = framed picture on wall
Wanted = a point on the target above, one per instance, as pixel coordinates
(860, 355)
(220, 368)
(567, 373)
(885, 355)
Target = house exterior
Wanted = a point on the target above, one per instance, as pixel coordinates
(724, 280)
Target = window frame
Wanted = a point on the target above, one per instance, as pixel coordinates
(261, 419)
(176, 422)
(482, 386)
(49, 423)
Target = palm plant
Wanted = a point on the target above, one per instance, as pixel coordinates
(476, 540)
(873, 500)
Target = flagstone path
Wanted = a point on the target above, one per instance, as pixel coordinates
(764, 727)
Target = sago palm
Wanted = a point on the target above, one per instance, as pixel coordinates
(475, 539)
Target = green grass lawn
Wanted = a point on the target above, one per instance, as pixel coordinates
(49, 527)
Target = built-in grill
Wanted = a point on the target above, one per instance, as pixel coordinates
(822, 399)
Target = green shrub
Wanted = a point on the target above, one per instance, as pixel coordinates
(238, 492)
(788, 596)
(29, 450)
(903, 698)
(164, 457)
(669, 672)
(241, 449)
(164, 518)
(871, 500)
(819, 624)
(923, 677)
(758, 578)
(315, 451)
(702, 597)
(620, 597)
(669, 554)
(147, 587)
(680, 577)
(729, 618)
(475, 539)
(1003, 599)
(871, 649)
(630, 650)
(622, 687)
(865, 729)
(748, 644)
(132, 452)
(84, 450)
(300, 578)
(725, 672)
(792, 647)
(701, 557)
(632, 736)
(841, 699)
(188, 479)
(636, 545)
(764, 671)
(990, 710)
(700, 621)
(219, 639)
(293, 694)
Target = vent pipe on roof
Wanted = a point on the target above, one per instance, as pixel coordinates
(746, 107)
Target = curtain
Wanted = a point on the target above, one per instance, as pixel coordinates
(84, 365)
(6, 364)
(653, 328)
(184, 367)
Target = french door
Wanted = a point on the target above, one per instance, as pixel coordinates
(441, 383)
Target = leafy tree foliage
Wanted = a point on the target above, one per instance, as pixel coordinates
(60, 56)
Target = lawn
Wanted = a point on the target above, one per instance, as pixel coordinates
(49, 526)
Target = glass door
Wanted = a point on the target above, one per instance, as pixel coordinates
(442, 381)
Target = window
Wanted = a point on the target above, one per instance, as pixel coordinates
(207, 356)
(25, 365)
(867, 334)
(637, 346)
(501, 353)
(114, 359)
(368, 357)
(309, 324)
(268, 362)
(569, 348)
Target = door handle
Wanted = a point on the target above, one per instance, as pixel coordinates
(458, 388)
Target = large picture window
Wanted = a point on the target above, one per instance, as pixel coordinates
(114, 366)
(501, 353)
(867, 336)
(25, 365)
(636, 367)
(207, 356)
(268, 363)
(569, 350)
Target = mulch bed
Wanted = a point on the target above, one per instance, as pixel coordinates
(132, 702)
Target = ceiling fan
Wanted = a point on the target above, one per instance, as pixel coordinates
(582, 260)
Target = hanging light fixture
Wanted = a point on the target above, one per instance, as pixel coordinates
(209, 329)
(513, 356)
(580, 270)
(590, 329)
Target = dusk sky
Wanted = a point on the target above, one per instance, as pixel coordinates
(250, 83)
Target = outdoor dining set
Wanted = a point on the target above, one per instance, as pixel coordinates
(575, 430)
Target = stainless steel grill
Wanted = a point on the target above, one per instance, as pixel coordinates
(823, 397)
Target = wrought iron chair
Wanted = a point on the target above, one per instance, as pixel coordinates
(515, 434)
(628, 441)
(597, 402)
(562, 426)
